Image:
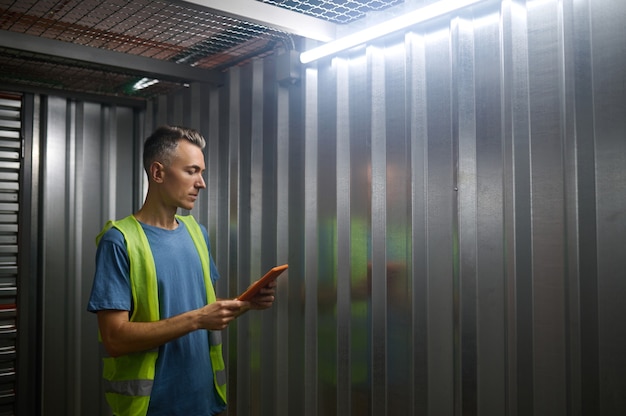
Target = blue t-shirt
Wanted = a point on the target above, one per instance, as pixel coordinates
(183, 382)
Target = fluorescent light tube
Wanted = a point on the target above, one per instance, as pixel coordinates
(395, 24)
(144, 83)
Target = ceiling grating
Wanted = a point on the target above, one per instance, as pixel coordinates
(170, 31)
(154, 29)
(336, 11)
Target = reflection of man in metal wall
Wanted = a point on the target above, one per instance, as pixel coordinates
(154, 293)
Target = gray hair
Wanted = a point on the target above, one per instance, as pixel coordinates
(162, 144)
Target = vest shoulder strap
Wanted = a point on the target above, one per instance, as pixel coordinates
(198, 239)
(143, 280)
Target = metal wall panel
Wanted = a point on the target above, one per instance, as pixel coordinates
(609, 125)
(454, 217)
(10, 289)
(450, 202)
(81, 165)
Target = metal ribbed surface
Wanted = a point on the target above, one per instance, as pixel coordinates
(84, 170)
(453, 220)
(10, 164)
(450, 203)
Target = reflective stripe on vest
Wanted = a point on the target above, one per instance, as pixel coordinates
(129, 388)
(129, 378)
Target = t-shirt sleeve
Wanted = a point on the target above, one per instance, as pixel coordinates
(111, 284)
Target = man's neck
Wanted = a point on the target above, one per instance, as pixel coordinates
(157, 217)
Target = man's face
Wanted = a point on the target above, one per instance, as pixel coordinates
(182, 179)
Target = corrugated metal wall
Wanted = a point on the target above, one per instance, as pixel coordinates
(452, 208)
(451, 204)
(80, 170)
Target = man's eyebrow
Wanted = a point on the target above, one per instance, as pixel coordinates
(196, 167)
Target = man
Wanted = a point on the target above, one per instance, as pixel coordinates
(153, 293)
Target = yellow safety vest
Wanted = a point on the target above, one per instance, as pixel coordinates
(128, 379)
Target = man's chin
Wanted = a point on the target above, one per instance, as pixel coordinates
(188, 206)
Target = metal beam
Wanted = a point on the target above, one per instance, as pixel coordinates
(148, 67)
(273, 16)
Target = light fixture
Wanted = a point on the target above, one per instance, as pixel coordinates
(144, 83)
(395, 24)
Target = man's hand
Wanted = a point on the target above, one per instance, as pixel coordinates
(217, 315)
(264, 298)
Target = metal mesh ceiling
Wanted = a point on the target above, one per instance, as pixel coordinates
(166, 30)
(336, 11)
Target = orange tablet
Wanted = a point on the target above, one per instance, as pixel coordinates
(272, 274)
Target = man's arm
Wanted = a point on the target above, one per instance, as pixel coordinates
(121, 336)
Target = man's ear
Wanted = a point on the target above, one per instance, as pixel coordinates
(157, 171)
